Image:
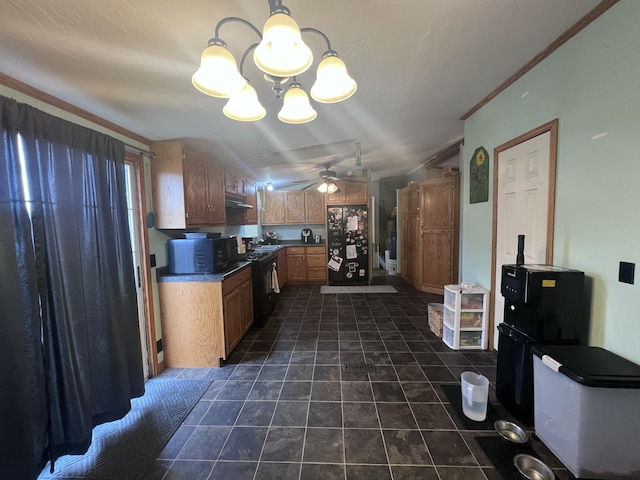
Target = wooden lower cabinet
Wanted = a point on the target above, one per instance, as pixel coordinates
(306, 265)
(282, 267)
(202, 322)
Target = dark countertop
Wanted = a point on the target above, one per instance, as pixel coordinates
(163, 275)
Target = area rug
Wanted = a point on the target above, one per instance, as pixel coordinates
(127, 448)
(363, 289)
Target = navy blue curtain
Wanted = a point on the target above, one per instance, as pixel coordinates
(71, 356)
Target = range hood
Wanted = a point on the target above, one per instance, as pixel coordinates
(231, 203)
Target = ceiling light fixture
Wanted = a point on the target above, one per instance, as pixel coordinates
(327, 187)
(281, 55)
(270, 186)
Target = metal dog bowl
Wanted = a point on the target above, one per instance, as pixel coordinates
(510, 431)
(532, 468)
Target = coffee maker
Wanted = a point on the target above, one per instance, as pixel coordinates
(306, 235)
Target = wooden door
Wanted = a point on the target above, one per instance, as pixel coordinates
(246, 299)
(252, 199)
(523, 203)
(296, 271)
(439, 209)
(294, 206)
(215, 191)
(314, 207)
(233, 319)
(273, 209)
(195, 190)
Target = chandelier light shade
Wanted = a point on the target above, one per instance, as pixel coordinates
(333, 83)
(296, 108)
(218, 74)
(281, 55)
(244, 106)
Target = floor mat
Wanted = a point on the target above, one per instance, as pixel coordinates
(363, 289)
(127, 448)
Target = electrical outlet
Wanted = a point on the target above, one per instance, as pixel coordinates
(152, 260)
(626, 272)
(159, 345)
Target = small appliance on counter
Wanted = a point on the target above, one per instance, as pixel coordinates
(270, 238)
(306, 235)
(317, 239)
(202, 253)
(249, 244)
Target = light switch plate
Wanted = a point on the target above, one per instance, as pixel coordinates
(626, 272)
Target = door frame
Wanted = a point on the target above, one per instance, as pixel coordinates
(137, 161)
(552, 128)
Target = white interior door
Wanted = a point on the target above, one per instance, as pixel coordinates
(524, 205)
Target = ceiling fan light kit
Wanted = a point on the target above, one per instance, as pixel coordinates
(281, 54)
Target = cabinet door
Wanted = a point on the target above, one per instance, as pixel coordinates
(356, 192)
(296, 271)
(273, 209)
(246, 299)
(233, 319)
(229, 182)
(241, 186)
(252, 199)
(412, 249)
(216, 195)
(437, 262)
(195, 190)
(282, 267)
(314, 207)
(294, 206)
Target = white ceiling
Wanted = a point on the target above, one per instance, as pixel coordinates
(420, 65)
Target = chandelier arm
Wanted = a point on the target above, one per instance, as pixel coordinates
(237, 19)
(317, 32)
(244, 57)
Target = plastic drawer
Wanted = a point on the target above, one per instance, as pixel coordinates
(447, 336)
(449, 299)
(470, 339)
(471, 301)
(470, 319)
(449, 317)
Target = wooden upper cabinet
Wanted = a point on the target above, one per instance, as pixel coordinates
(188, 189)
(315, 210)
(235, 184)
(294, 206)
(273, 209)
(350, 192)
(252, 199)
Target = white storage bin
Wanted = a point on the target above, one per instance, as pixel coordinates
(447, 336)
(587, 409)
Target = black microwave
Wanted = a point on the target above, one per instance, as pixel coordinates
(201, 255)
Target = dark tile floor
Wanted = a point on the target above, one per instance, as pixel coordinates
(283, 408)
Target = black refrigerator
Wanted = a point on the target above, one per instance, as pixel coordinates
(348, 245)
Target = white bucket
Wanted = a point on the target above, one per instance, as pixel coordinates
(475, 395)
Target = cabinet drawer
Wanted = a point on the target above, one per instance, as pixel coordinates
(316, 273)
(236, 280)
(315, 261)
(296, 250)
(315, 250)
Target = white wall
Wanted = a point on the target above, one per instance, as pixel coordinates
(592, 85)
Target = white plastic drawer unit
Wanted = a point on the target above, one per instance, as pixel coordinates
(465, 316)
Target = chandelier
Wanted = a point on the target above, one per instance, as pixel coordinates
(282, 56)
